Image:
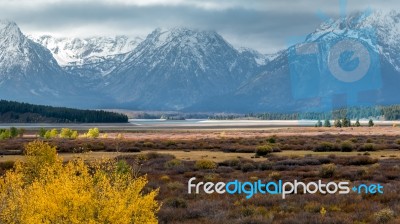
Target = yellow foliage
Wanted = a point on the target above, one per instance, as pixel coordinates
(51, 134)
(68, 133)
(44, 190)
(205, 165)
(93, 133)
(74, 135)
(322, 211)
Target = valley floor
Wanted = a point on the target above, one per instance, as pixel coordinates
(169, 158)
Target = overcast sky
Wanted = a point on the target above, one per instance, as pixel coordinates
(265, 25)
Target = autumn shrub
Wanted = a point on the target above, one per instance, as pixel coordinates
(165, 178)
(205, 165)
(384, 216)
(327, 170)
(68, 133)
(51, 133)
(274, 175)
(173, 163)
(46, 190)
(264, 150)
(93, 133)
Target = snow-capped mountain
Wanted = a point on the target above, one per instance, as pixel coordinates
(273, 89)
(173, 69)
(261, 59)
(28, 72)
(90, 58)
(196, 70)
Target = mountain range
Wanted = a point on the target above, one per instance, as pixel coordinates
(196, 70)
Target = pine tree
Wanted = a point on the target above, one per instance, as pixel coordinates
(357, 124)
(345, 122)
(338, 123)
(327, 123)
(370, 123)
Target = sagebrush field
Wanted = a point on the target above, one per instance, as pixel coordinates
(170, 158)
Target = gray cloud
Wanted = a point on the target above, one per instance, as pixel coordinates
(265, 25)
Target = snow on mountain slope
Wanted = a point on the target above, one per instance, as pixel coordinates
(178, 67)
(76, 51)
(90, 58)
(26, 63)
(261, 59)
(380, 31)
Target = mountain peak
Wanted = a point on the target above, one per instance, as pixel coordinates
(5, 23)
(82, 51)
(183, 37)
(11, 30)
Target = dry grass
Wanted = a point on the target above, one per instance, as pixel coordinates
(216, 156)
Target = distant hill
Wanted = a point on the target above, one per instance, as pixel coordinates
(15, 112)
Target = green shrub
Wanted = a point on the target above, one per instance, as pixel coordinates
(353, 140)
(175, 185)
(362, 161)
(264, 150)
(5, 134)
(171, 143)
(148, 144)
(175, 202)
(42, 132)
(347, 146)
(205, 165)
(327, 170)
(272, 139)
(326, 147)
(367, 147)
(173, 163)
(265, 166)
(231, 163)
(247, 167)
(13, 132)
(21, 132)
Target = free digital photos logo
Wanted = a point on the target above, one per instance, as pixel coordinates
(280, 187)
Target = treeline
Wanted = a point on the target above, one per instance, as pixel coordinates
(386, 112)
(11, 111)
